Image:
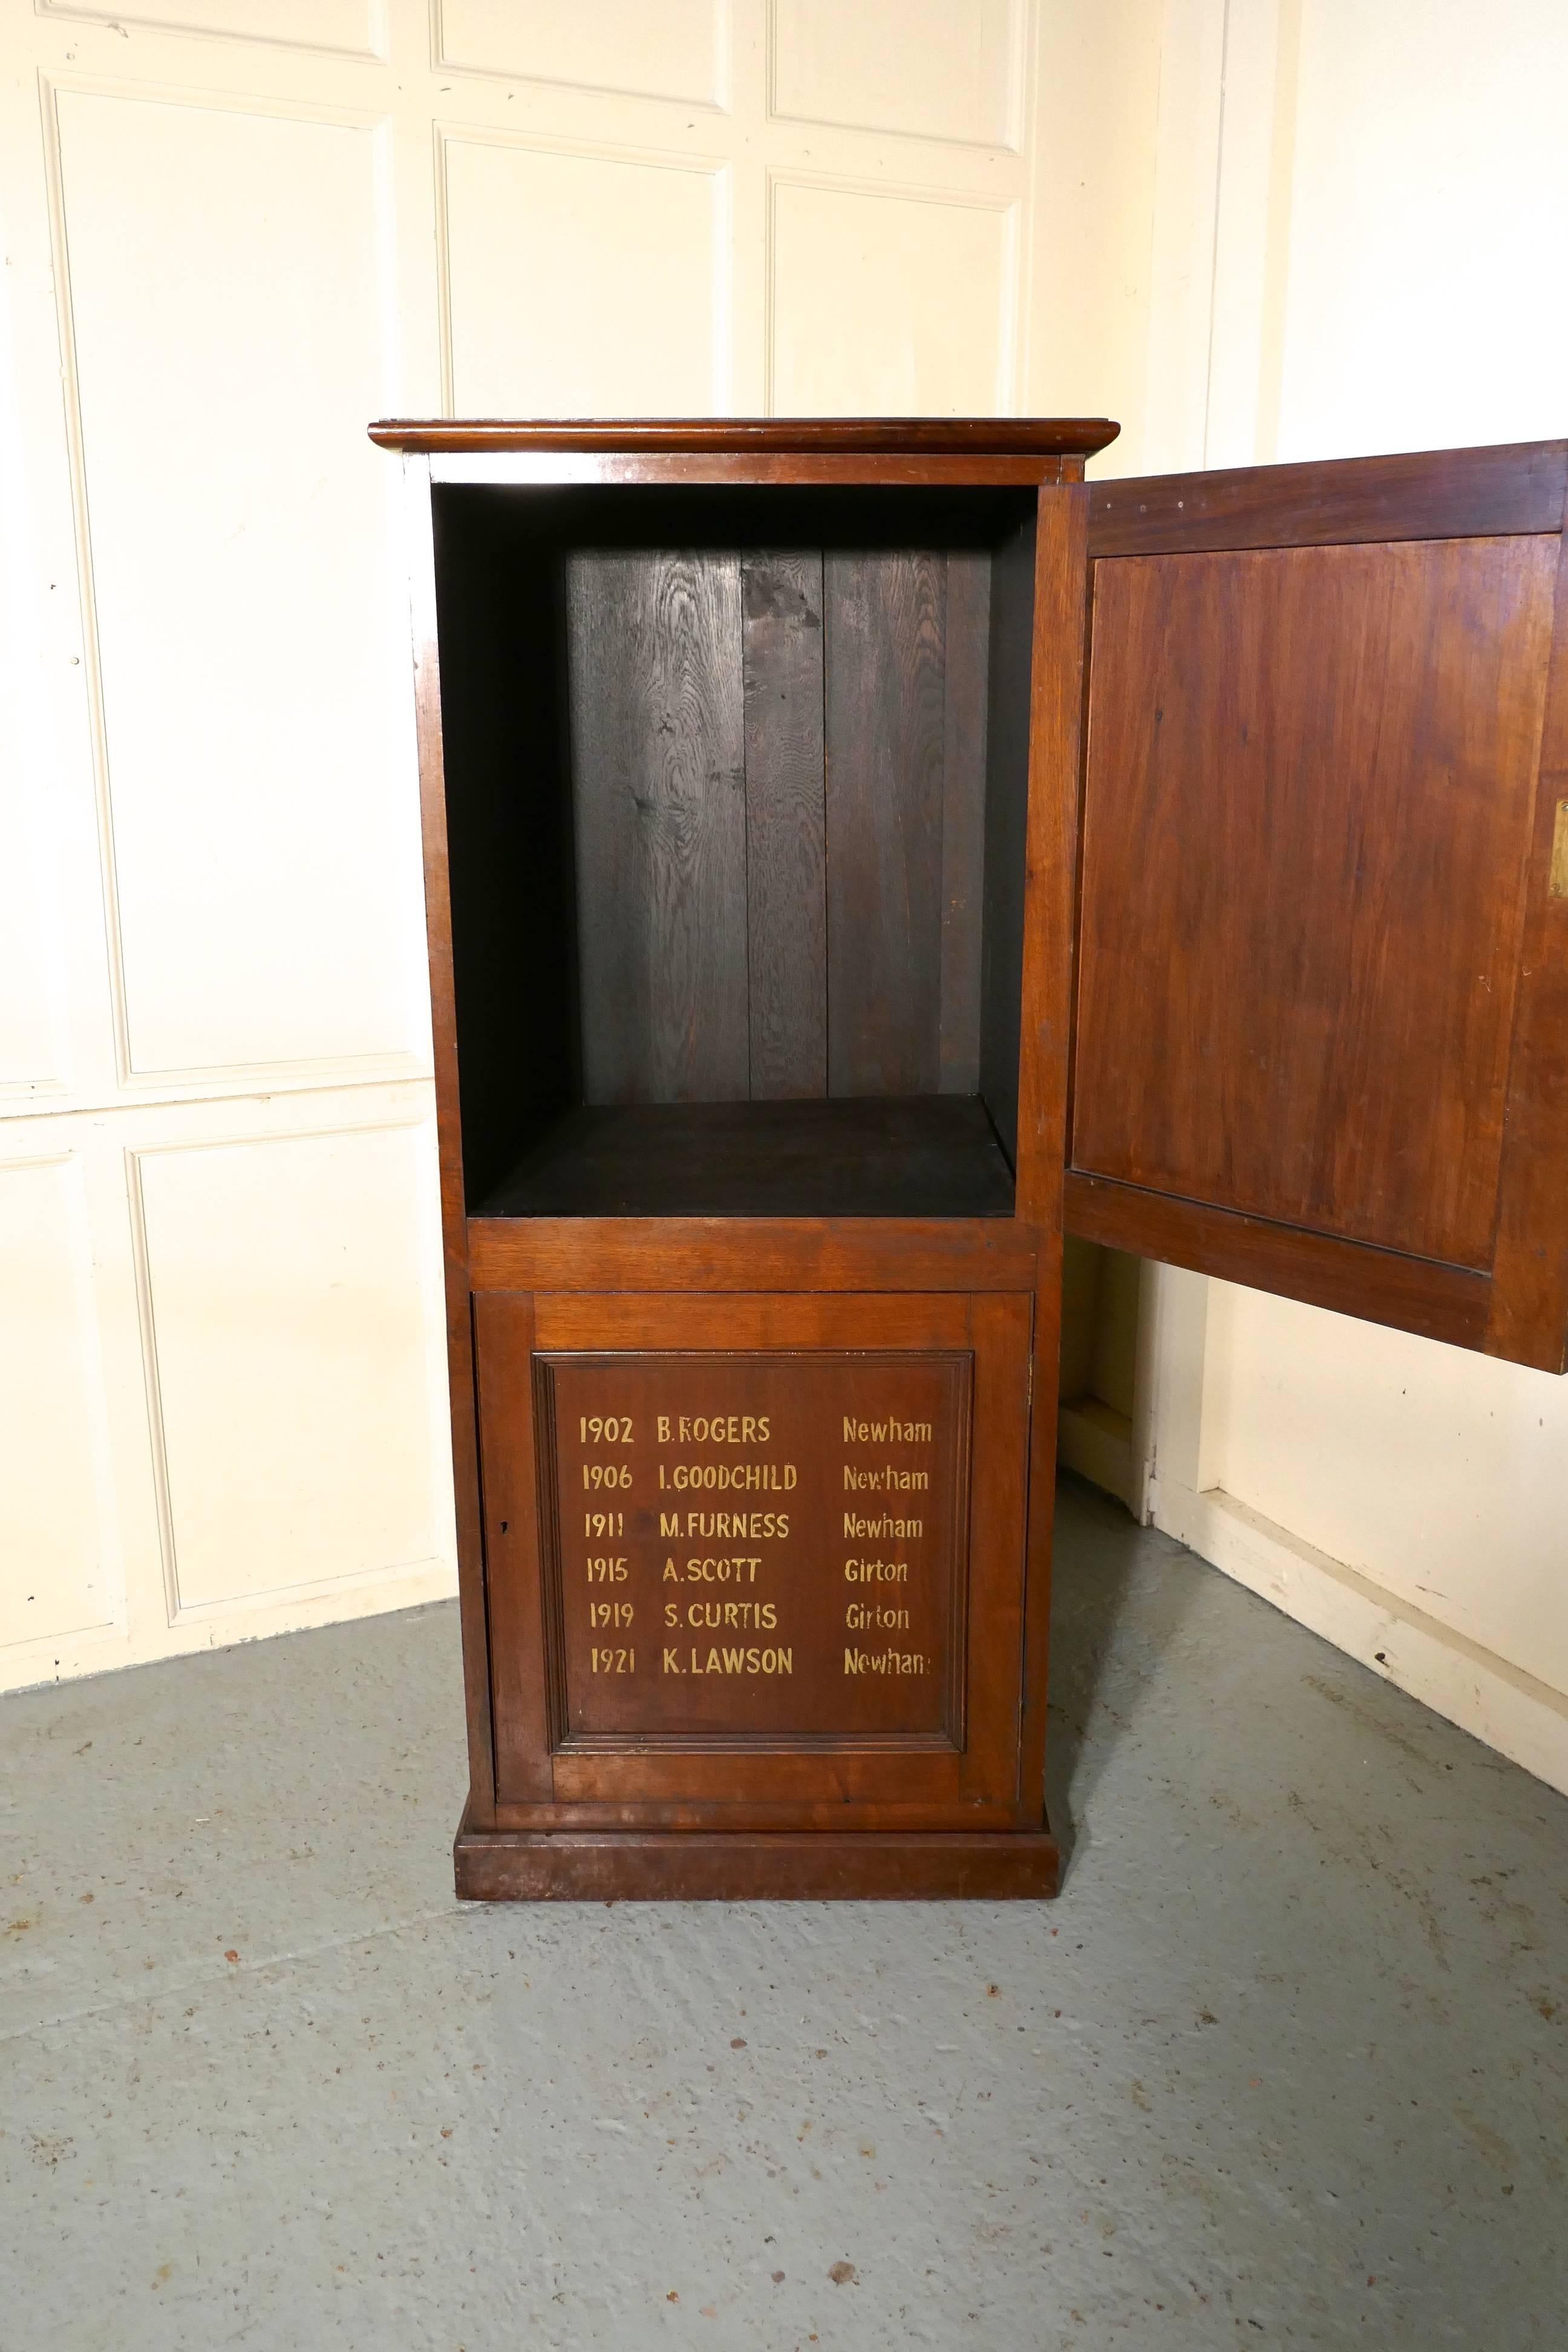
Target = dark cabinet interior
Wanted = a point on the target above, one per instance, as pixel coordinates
(736, 790)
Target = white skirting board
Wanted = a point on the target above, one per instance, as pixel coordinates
(1096, 1441)
(1523, 1718)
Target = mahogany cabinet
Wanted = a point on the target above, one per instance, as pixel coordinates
(854, 852)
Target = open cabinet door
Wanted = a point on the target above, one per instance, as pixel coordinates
(1321, 1037)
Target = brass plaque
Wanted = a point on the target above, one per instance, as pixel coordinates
(756, 1547)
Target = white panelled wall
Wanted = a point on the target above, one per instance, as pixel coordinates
(235, 231)
(1362, 214)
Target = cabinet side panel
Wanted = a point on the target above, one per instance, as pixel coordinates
(454, 1225)
(1055, 675)
(885, 627)
(658, 790)
(1310, 787)
(780, 597)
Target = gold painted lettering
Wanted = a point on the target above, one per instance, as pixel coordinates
(753, 1527)
(721, 1429)
(861, 1615)
(744, 1662)
(888, 1481)
(732, 1478)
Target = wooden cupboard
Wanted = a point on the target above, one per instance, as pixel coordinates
(854, 852)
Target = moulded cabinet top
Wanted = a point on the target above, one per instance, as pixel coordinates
(761, 436)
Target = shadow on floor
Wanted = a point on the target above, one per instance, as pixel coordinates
(1100, 1553)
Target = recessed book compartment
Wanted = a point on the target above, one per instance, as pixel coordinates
(736, 783)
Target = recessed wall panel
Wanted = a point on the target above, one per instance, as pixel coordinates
(31, 917)
(26, 902)
(292, 1338)
(672, 51)
(227, 322)
(938, 68)
(54, 1573)
(345, 28)
(855, 330)
(579, 285)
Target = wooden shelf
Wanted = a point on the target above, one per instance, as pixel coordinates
(912, 1156)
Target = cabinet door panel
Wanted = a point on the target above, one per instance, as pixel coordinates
(1317, 943)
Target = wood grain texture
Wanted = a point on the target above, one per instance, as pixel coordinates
(1055, 672)
(734, 1811)
(587, 1253)
(503, 1342)
(1437, 1302)
(1528, 1316)
(807, 1781)
(691, 469)
(914, 436)
(781, 602)
(965, 672)
(606, 1867)
(1056, 709)
(1309, 800)
(1040, 1534)
(1429, 494)
(658, 781)
(884, 649)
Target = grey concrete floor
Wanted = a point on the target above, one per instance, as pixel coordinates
(1284, 2064)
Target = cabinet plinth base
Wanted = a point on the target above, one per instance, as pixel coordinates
(812, 1866)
